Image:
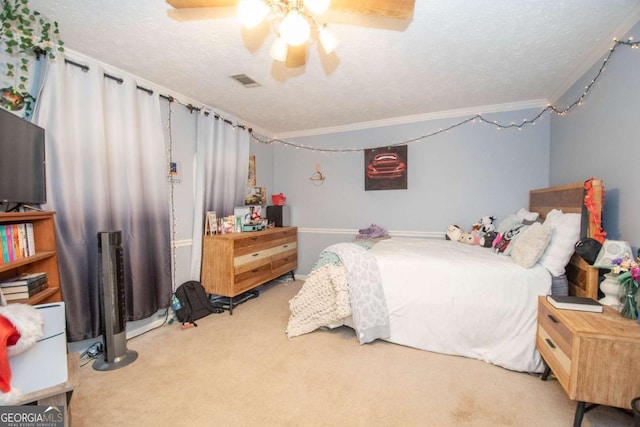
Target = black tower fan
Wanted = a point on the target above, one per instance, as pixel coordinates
(112, 303)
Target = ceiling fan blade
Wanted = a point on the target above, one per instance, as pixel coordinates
(296, 56)
(396, 9)
(188, 4)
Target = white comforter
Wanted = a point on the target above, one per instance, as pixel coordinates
(464, 300)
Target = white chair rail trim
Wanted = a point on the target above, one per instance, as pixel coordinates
(392, 233)
(346, 231)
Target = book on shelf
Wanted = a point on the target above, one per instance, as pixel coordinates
(31, 245)
(3, 243)
(23, 282)
(568, 302)
(8, 242)
(17, 241)
(11, 295)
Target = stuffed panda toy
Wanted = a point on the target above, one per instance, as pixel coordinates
(486, 224)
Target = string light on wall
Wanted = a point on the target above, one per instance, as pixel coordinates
(478, 118)
(172, 199)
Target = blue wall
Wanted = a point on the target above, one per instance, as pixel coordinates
(601, 138)
(453, 178)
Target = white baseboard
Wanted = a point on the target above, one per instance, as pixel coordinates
(134, 329)
(139, 327)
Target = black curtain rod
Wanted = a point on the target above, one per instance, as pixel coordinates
(85, 68)
(169, 98)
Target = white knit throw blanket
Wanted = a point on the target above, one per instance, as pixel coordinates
(323, 301)
(333, 292)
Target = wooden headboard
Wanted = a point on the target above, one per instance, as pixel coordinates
(570, 198)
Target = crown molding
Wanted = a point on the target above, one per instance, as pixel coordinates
(447, 114)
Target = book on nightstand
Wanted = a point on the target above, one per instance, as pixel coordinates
(574, 303)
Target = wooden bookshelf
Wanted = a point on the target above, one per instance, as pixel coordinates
(45, 258)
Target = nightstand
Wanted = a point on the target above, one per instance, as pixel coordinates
(595, 356)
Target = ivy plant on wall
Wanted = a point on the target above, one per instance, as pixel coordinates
(25, 35)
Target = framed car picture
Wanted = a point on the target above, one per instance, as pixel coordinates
(385, 168)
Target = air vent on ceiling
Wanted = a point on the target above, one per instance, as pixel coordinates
(245, 80)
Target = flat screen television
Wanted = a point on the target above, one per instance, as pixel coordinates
(22, 161)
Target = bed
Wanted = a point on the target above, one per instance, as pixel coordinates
(448, 297)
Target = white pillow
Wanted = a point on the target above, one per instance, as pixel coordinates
(525, 215)
(566, 232)
(530, 246)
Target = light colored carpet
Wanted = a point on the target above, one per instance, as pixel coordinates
(241, 370)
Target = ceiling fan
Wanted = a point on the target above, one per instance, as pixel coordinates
(297, 18)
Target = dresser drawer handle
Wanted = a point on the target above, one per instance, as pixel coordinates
(285, 246)
(551, 344)
(256, 254)
(553, 319)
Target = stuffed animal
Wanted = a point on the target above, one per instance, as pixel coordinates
(453, 233)
(503, 245)
(488, 239)
(486, 224)
(472, 238)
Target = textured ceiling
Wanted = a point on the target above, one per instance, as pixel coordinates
(453, 54)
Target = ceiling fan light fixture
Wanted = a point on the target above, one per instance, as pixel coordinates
(295, 29)
(279, 50)
(317, 7)
(327, 40)
(252, 12)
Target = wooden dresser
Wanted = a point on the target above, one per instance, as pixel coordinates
(238, 262)
(595, 356)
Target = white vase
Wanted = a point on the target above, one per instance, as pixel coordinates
(610, 287)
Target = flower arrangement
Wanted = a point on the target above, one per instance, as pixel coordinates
(628, 272)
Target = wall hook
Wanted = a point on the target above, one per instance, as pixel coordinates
(318, 177)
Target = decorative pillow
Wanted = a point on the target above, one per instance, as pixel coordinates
(507, 240)
(566, 232)
(508, 223)
(530, 246)
(612, 249)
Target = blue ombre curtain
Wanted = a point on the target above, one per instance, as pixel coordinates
(221, 171)
(106, 170)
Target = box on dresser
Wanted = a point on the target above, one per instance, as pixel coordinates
(279, 215)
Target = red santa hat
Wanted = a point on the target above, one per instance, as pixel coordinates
(21, 326)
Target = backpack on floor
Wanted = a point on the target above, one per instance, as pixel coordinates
(193, 303)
